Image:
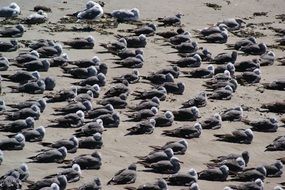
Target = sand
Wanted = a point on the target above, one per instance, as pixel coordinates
(119, 150)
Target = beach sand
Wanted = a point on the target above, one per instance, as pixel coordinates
(119, 150)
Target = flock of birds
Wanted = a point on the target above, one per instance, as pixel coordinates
(221, 82)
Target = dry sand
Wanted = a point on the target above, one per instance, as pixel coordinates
(119, 150)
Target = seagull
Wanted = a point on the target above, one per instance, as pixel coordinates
(4, 64)
(81, 43)
(179, 38)
(232, 114)
(214, 174)
(143, 114)
(243, 42)
(255, 185)
(96, 112)
(200, 100)
(41, 103)
(224, 93)
(234, 165)
(22, 171)
(219, 38)
(232, 23)
(95, 185)
(174, 88)
(174, 70)
(178, 147)
(81, 73)
(186, 114)
(124, 15)
(117, 102)
(13, 10)
(160, 93)
(132, 77)
(34, 112)
(276, 106)
(18, 125)
(22, 76)
(264, 125)
(31, 87)
(61, 181)
(69, 120)
(223, 58)
(34, 135)
(170, 33)
(211, 30)
(145, 127)
(251, 174)
(85, 161)
(213, 122)
(160, 184)
(14, 143)
(164, 120)
(74, 107)
(170, 20)
(37, 18)
(1, 156)
(183, 179)
(278, 84)
(14, 32)
(242, 136)
(72, 174)
(277, 144)
(156, 156)
(117, 90)
(9, 46)
(201, 72)
(110, 120)
(247, 65)
(36, 65)
(99, 79)
(49, 156)
(93, 142)
(148, 29)
(185, 131)
(136, 41)
(50, 51)
(171, 166)
(244, 155)
(274, 169)
(116, 47)
(254, 49)
(194, 61)
(93, 11)
(131, 62)
(159, 79)
(62, 95)
(70, 144)
(248, 77)
(90, 128)
(186, 47)
(94, 61)
(146, 104)
(124, 176)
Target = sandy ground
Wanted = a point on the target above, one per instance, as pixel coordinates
(119, 150)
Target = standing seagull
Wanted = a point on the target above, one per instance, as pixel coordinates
(124, 176)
